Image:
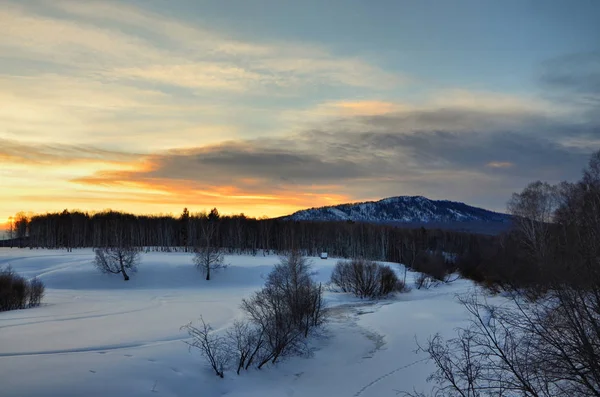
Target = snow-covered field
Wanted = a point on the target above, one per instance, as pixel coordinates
(96, 335)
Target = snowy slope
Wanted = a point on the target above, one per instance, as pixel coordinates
(405, 209)
(96, 335)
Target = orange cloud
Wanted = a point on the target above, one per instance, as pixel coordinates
(169, 180)
(255, 199)
(499, 164)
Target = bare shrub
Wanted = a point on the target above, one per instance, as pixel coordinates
(342, 276)
(18, 293)
(245, 343)
(212, 347)
(117, 260)
(303, 297)
(36, 292)
(268, 311)
(432, 264)
(365, 279)
(286, 309)
(389, 281)
(280, 317)
(425, 281)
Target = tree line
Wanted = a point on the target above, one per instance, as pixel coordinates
(235, 234)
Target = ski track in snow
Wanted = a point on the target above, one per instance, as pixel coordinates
(118, 313)
(96, 349)
(362, 390)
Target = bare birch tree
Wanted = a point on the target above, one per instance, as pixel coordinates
(533, 211)
(118, 260)
(207, 255)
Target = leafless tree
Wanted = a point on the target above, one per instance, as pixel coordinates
(457, 373)
(207, 255)
(118, 260)
(529, 348)
(208, 259)
(534, 210)
(213, 347)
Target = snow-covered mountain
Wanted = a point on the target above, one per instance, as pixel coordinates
(402, 209)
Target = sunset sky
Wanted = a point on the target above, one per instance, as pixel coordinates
(269, 106)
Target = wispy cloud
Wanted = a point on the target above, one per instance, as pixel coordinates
(93, 72)
(50, 108)
(574, 79)
(198, 76)
(59, 154)
(116, 41)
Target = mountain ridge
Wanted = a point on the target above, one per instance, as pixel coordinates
(408, 210)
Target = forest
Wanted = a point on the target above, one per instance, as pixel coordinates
(235, 234)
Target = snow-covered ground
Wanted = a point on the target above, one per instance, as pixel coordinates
(97, 335)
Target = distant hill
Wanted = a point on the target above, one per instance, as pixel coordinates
(412, 211)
